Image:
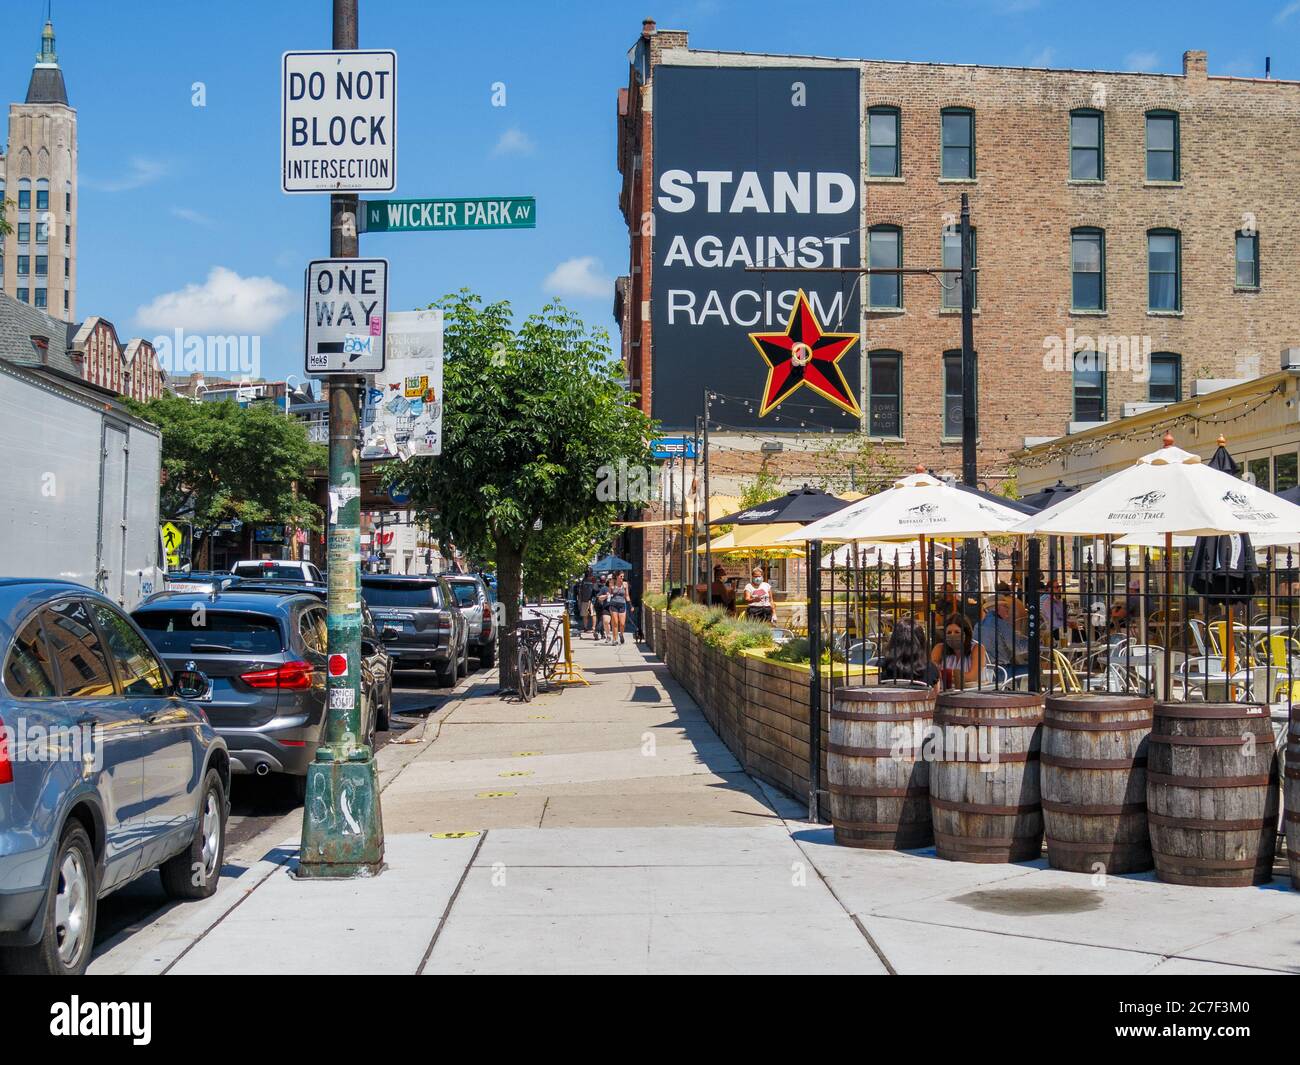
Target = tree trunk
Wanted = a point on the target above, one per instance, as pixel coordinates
(510, 576)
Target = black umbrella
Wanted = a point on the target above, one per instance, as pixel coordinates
(1223, 567)
(1049, 496)
(802, 506)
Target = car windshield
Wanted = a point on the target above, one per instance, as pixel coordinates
(466, 593)
(269, 570)
(209, 632)
(400, 593)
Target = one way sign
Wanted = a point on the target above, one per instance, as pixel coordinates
(347, 305)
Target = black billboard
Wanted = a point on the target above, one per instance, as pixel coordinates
(756, 167)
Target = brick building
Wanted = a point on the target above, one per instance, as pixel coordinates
(131, 370)
(1134, 233)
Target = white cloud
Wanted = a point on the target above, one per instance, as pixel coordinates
(139, 172)
(1143, 62)
(1286, 13)
(514, 141)
(578, 277)
(188, 214)
(225, 302)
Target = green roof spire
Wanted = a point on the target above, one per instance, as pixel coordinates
(47, 54)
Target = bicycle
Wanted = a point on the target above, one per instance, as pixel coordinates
(540, 650)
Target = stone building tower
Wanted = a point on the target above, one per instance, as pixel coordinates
(38, 176)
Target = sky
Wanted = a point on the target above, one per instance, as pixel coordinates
(183, 224)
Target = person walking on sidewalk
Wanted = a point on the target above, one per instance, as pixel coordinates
(586, 611)
(618, 597)
(601, 599)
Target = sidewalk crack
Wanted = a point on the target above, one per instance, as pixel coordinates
(442, 921)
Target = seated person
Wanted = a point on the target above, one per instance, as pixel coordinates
(959, 658)
(1003, 644)
(758, 597)
(723, 594)
(905, 659)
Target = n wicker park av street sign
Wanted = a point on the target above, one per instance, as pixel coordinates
(433, 215)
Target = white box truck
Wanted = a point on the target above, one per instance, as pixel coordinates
(79, 481)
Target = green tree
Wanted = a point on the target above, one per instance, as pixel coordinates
(6, 227)
(559, 553)
(535, 421)
(852, 461)
(222, 461)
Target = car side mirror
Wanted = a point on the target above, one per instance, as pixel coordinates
(191, 684)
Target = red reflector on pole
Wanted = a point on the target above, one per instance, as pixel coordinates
(338, 665)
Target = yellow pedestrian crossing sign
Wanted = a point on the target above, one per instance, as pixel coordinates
(173, 542)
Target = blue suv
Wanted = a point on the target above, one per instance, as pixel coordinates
(107, 771)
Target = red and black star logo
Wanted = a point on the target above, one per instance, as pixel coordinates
(805, 355)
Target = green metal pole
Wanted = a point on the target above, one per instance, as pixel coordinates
(342, 826)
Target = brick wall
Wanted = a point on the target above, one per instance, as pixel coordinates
(1238, 141)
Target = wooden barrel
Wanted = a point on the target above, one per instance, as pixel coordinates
(1094, 785)
(878, 779)
(1292, 797)
(984, 794)
(1212, 794)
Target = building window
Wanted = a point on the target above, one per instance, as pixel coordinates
(24, 196)
(65, 299)
(67, 200)
(67, 236)
(67, 267)
(1088, 269)
(1284, 471)
(42, 265)
(1166, 382)
(958, 147)
(952, 405)
(24, 232)
(883, 155)
(1089, 386)
(885, 393)
(1258, 469)
(1164, 288)
(1162, 146)
(885, 250)
(42, 232)
(22, 295)
(40, 298)
(951, 287)
(24, 265)
(1248, 260)
(42, 196)
(1087, 157)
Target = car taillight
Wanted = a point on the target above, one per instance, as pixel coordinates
(292, 676)
(487, 614)
(6, 762)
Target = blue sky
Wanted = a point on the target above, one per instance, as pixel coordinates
(182, 219)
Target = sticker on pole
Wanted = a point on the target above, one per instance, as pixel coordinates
(346, 306)
(342, 698)
(402, 418)
(338, 665)
(338, 121)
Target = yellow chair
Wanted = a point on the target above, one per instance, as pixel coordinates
(1070, 682)
(1278, 649)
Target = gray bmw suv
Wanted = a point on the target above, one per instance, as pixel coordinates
(426, 627)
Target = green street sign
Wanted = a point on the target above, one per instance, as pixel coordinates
(479, 212)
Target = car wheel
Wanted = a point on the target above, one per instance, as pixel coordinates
(447, 674)
(68, 928)
(196, 871)
(385, 712)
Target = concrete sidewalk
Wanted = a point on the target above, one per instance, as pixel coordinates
(607, 829)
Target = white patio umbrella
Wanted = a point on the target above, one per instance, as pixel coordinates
(915, 507)
(1167, 493)
(905, 553)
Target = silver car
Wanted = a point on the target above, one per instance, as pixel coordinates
(107, 771)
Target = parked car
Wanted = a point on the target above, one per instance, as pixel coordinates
(281, 570)
(476, 604)
(127, 774)
(429, 630)
(263, 646)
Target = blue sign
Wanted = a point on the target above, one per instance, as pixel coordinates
(671, 447)
(399, 495)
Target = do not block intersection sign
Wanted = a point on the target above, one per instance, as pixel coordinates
(347, 306)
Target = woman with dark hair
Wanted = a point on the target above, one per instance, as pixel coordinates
(959, 658)
(905, 658)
